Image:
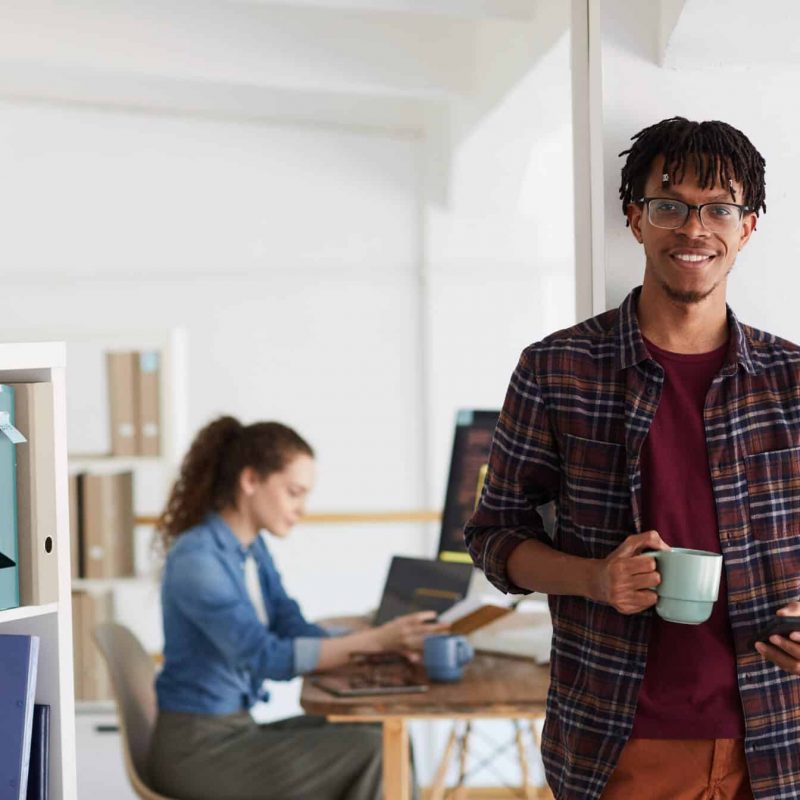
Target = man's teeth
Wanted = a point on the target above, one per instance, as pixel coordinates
(686, 257)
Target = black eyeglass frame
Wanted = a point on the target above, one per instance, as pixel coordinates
(689, 206)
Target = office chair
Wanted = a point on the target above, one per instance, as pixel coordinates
(132, 673)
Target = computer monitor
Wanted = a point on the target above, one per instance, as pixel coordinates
(470, 454)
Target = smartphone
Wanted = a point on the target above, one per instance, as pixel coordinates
(783, 626)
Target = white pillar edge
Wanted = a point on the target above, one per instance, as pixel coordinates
(587, 139)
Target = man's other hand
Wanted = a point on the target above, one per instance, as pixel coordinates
(782, 650)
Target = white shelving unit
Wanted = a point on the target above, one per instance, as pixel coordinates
(45, 362)
(135, 599)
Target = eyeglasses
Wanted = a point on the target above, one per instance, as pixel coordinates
(665, 212)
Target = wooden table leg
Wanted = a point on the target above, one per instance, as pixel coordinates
(396, 769)
(437, 787)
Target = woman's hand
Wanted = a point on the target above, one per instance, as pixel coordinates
(404, 634)
(409, 631)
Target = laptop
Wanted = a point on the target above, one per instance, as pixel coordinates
(421, 584)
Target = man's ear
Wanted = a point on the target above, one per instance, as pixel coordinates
(748, 226)
(634, 214)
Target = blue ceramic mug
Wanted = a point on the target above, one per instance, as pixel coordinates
(445, 655)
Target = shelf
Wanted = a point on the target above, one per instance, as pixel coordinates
(107, 583)
(95, 707)
(106, 458)
(27, 612)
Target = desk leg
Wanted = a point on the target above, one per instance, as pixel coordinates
(396, 771)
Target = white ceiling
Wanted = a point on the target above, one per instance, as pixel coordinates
(732, 33)
(376, 63)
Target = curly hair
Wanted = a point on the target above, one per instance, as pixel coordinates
(718, 152)
(209, 475)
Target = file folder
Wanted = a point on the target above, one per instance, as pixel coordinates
(9, 546)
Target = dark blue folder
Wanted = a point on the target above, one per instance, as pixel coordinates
(19, 659)
(39, 772)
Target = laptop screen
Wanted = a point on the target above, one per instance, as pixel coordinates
(421, 584)
(471, 444)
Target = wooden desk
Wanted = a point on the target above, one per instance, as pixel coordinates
(493, 686)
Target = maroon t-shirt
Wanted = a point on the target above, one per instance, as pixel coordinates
(689, 689)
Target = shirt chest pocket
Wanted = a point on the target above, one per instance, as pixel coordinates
(596, 484)
(773, 489)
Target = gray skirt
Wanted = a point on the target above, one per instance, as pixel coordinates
(231, 757)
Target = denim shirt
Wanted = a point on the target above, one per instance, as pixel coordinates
(217, 653)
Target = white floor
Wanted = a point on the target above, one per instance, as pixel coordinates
(101, 770)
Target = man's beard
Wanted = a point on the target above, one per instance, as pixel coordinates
(688, 297)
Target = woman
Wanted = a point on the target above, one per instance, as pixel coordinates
(229, 625)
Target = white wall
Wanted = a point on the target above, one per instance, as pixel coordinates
(358, 284)
(755, 99)
(499, 245)
(289, 257)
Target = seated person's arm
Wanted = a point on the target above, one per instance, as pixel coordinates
(206, 593)
(403, 633)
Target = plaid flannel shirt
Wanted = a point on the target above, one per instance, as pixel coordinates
(578, 408)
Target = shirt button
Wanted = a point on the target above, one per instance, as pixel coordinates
(650, 391)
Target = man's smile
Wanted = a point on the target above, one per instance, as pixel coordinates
(692, 258)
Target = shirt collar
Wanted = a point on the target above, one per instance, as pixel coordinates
(225, 538)
(631, 349)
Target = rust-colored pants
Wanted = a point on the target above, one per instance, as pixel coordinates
(680, 769)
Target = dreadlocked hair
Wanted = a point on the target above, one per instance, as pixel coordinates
(718, 152)
(209, 475)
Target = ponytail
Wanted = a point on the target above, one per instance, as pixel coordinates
(209, 475)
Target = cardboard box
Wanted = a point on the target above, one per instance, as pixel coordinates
(123, 402)
(107, 524)
(77, 642)
(149, 379)
(89, 609)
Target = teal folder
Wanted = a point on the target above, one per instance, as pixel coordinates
(9, 571)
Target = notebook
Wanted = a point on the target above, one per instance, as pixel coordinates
(19, 659)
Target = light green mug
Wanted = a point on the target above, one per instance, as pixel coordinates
(689, 584)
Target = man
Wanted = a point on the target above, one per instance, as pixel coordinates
(663, 423)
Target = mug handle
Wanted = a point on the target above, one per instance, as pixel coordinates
(655, 554)
(464, 651)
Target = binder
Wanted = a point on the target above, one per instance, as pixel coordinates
(75, 526)
(9, 544)
(149, 403)
(36, 494)
(19, 659)
(39, 769)
(123, 402)
(107, 524)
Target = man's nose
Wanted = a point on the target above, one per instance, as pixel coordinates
(692, 225)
